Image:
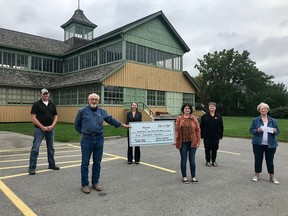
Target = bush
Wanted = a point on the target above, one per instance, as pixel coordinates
(279, 112)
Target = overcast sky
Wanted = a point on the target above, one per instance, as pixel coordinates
(259, 26)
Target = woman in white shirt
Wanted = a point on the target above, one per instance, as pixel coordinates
(264, 130)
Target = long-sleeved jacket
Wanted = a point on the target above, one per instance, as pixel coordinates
(258, 136)
(211, 126)
(130, 118)
(89, 121)
(136, 118)
(195, 135)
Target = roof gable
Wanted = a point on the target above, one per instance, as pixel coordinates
(156, 34)
(154, 21)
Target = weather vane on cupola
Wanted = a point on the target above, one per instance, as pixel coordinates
(78, 4)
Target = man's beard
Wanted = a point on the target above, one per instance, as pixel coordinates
(93, 106)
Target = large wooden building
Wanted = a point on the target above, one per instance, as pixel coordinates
(141, 61)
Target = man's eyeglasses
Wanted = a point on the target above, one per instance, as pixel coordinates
(94, 99)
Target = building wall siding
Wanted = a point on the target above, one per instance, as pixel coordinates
(15, 114)
(134, 75)
(68, 114)
(155, 34)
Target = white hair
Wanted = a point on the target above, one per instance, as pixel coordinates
(262, 104)
(90, 95)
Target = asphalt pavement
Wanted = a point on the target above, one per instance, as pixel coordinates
(153, 187)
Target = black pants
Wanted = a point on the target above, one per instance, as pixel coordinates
(259, 152)
(211, 146)
(137, 153)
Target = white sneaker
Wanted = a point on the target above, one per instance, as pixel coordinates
(255, 178)
(274, 181)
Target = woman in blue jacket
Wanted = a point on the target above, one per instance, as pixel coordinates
(264, 130)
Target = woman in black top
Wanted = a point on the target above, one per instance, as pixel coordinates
(211, 131)
(133, 116)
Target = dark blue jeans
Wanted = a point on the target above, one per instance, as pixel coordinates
(89, 145)
(187, 150)
(38, 137)
(259, 151)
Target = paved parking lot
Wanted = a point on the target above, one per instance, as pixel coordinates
(153, 187)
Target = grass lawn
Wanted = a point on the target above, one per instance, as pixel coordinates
(239, 127)
(65, 132)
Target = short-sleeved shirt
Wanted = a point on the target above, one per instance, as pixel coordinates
(44, 114)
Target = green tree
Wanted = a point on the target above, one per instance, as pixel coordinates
(232, 80)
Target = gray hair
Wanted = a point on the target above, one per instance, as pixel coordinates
(262, 104)
(212, 103)
(90, 95)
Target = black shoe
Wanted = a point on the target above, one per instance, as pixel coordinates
(208, 164)
(136, 162)
(54, 167)
(194, 180)
(129, 162)
(185, 180)
(32, 172)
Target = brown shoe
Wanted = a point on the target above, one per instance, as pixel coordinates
(86, 189)
(97, 187)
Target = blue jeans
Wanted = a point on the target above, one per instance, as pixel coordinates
(89, 145)
(184, 151)
(259, 151)
(38, 137)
